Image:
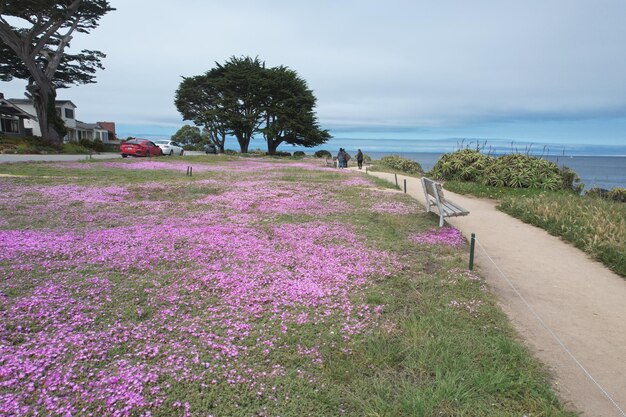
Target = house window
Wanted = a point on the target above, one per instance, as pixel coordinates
(9, 126)
(69, 113)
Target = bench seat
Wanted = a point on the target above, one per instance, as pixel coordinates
(434, 197)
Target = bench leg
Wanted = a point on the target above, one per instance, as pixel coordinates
(440, 221)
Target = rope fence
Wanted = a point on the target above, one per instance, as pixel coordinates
(548, 329)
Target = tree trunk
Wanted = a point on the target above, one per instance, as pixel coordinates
(272, 145)
(51, 125)
(244, 142)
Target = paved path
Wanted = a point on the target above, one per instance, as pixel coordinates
(580, 300)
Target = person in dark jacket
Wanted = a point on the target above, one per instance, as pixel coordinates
(341, 158)
(359, 159)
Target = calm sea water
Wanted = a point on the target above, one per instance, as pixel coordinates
(594, 171)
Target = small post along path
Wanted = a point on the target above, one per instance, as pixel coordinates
(569, 309)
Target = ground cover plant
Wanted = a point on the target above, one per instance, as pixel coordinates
(253, 288)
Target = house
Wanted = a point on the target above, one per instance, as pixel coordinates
(76, 130)
(13, 119)
(104, 131)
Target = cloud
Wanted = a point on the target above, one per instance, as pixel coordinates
(392, 65)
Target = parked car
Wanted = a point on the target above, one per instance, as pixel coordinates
(170, 147)
(210, 149)
(139, 147)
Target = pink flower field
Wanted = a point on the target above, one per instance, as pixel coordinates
(256, 287)
(140, 298)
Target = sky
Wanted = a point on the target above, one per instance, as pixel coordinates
(540, 71)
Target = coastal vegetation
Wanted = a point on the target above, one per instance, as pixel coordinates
(514, 170)
(259, 286)
(397, 164)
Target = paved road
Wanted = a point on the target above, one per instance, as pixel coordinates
(4, 158)
(580, 300)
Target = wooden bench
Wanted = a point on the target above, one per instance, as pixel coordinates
(434, 197)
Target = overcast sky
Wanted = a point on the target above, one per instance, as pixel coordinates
(544, 70)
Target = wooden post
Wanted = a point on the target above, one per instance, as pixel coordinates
(471, 259)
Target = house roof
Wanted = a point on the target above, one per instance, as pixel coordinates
(8, 108)
(27, 101)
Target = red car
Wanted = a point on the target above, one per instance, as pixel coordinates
(139, 147)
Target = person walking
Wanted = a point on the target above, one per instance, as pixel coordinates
(341, 158)
(359, 159)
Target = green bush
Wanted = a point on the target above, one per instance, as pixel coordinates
(27, 144)
(597, 193)
(401, 164)
(523, 171)
(512, 170)
(299, 154)
(618, 194)
(8, 148)
(463, 165)
(323, 154)
(571, 180)
(230, 152)
(74, 148)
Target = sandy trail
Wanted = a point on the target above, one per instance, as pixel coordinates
(582, 302)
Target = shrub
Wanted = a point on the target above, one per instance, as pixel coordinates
(27, 144)
(323, 154)
(74, 148)
(299, 154)
(617, 194)
(230, 152)
(281, 153)
(523, 171)
(463, 165)
(597, 192)
(8, 148)
(401, 164)
(571, 180)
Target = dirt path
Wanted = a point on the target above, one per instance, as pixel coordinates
(582, 302)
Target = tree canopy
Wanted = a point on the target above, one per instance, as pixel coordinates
(243, 98)
(34, 36)
(189, 135)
